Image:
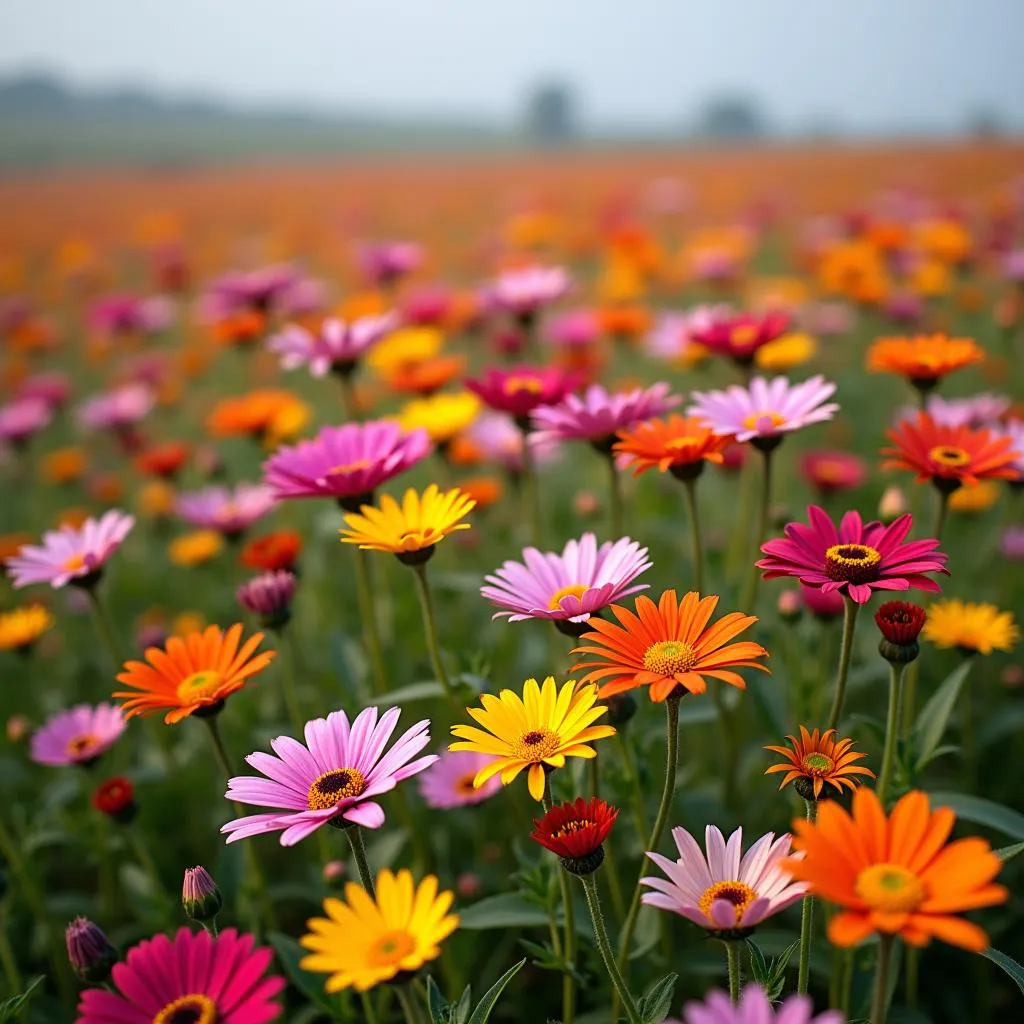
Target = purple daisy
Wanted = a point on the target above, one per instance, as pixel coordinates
(336, 346)
(22, 418)
(569, 587)
(115, 410)
(70, 554)
(78, 735)
(755, 1007)
(231, 512)
(347, 463)
(765, 408)
(336, 776)
(449, 781)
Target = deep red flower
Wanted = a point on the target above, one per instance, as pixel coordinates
(575, 831)
(273, 551)
(521, 389)
(162, 460)
(115, 797)
(900, 622)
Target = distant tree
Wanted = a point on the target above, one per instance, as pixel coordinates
(551, 114)
(731, 117)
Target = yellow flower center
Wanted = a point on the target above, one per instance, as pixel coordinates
(818, 763)
(576, 590)
(682, 444)
(390, 949)
(348, 467)
(576, 825)
(536, 744)
(464, 784)
(200, 686)
(754, 420)
(74, 563)
(744, 335)
(668, 657)
(852, 563)
(890, 888)
(329, 789)
(953, 458)
(520, 385)
(191, 1009)
(78, 745)
(739, 894)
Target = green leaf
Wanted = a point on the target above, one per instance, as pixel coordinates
(425, 690)
(982, 812)
(289, 953)
(482, 1013)
(11, 1009)
(656, 1002)
(436, 1003)
(758, 964)
(934, 716)
(946, 748)
(506, 910)
(1008, 964)
(1009, 852)
(646, 933)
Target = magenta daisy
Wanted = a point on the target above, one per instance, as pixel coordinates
(195, 979)
(118, 409)
(726, 890)
(337, 346)
(22, 418)
(569, 587)
(269, 596)
(334, 778)
(130, 314)
(765, 408)
(258, 291)
(523, 292)
(597, 415)
(52, 387)
(449, 781)
(78, 735)
(855, 558)
(71, 554)
(230, 511)
(755, 1007)
(521, 389)
(347, 463)
(740, 336)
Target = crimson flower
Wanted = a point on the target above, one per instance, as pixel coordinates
(575, 832)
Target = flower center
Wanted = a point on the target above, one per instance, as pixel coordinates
(576, 825)
(945, 455)
(344, 469)
(764, 421)
(464, 784)
(523, 385)
(78, 745)
(818, 763)
(739, 894)
(890, 888)
(536, 745)
(332, 787)
(575, 590)
(391, 948)
(743, 336)
(200, 686)
(682, 444)
(74, 563)
(413, 540)
(668, 657)
(191, 1009)
(852, 563)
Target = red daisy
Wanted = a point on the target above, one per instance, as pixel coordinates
(575, 832)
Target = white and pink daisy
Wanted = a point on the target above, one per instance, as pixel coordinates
(726, 890)
(336, 346)
(448, 782)
(22, 418)
(229, 511)
(78, 735)
(71, 554)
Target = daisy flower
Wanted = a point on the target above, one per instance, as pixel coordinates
(346, 463)
(277, 550)
(384, 263)
(755, 1007)
(726, 891)
(522, 293)
(817, 759)
(855, 558)
(334, 778)
(449, 781)
(22, 418)
(230, 511)
(519, 390)
(267, 415)
(498, 439)
(442, 416)
(765, 409)
(896, 876)
(77, 736)
(118, 409)
(575, 832)
(130, 314)
(20, 628)
(668, 647)
(923, 360)
(370, 938)
(195, 978)
(336, 347)
(567, 587)
(238, 291)
(536, 732)
(673, 337)
(680, 445)
(269, 596)
(194, 673)
(163, 461)
(970, 627)
(71, 554)
(832, 472)
(740, 336)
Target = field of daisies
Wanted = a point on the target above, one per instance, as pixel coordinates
(589, 613)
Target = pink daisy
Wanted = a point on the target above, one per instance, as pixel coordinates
(765, 409)
(383, 263)
(755, 1007)
(115, 410)
(22, 418)
(71, 554)
(258, 291)
(674, 334)
(499, 440)
(347, 463)
(740, 336)
(337, 346)
(570, 587)
(196, 978)
(231, 512)
(521, 389)
(269, 596)
(449, 781)
(427, 307)
(78, 735)
(523, 292)
(52, 387)
(726, 891)
(129, 314)
(854, 559)
(577, 328)
(334, 778)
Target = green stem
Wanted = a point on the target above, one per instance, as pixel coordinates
(730, 759)
(940, 515)
(846, 981)
(569, 935)
(913, 967)
(605, 949)
(368, 1010)
(349, 400)
(880, 994)
(696, 547)
(909, 710)
(291, 693)
(531, 490)
(806, 919)
(616, 508)
(430, 631)
(633, 774)
(104, 627)
(219, 751)
(896, 673)
(850, 609)
(10, 965)
(749, 595)
(409, 1006)
(355, 840)
(732, 964)
(368, 615)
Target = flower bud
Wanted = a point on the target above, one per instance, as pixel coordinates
(200, 897)
(270, 597)
(900, 624)
(790, 606)
(467, 885)
(333, 871)
(621, 708)
(892, 504)
(89, 950)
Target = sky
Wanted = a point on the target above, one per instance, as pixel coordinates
(869, 65)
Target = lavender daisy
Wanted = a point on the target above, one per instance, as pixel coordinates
(333, 778)
(337, 346)
(231, 512)
(449, 781)
(78, 735)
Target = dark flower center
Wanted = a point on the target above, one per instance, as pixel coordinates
(949, 457)
(334, 786)
(852, 563)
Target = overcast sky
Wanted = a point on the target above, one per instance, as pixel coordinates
(869, 63)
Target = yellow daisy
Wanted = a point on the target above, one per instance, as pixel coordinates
(975, 500)
(442, 416)
(412, 529)
(404, 346)
(195, 548)
(537, 731)
(22, 627)
(786, 352)
(974, 628)
(365, 940)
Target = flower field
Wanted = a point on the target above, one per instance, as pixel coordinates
(576, 588)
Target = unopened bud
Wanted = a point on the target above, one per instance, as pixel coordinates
(91, 955)
(790, 606)
(467, 885)
(333, 871)
(200, 897)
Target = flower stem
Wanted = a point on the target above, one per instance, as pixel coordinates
(806, 919)
(569, 937)
(850, 609)
(940, 515)
(605, 949)
(291, 693)
(355, 840)
(896, 673)
(696, 547)
(104, 627)
(219, 752)
(749, 594)
(349, 400)
(409, 1006)
(732, 964)
(430, 631)
(10, 965)
(615, 507)
(368, 614)
(880, 995)
(629, 763)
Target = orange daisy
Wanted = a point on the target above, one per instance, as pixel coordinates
(668, 646)
(272, 551)
(817, 758)
(193, 674)
(950, 456)
(680, 445)
(923, 360)
(162, 460)
(265, 414)
(897, 876)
